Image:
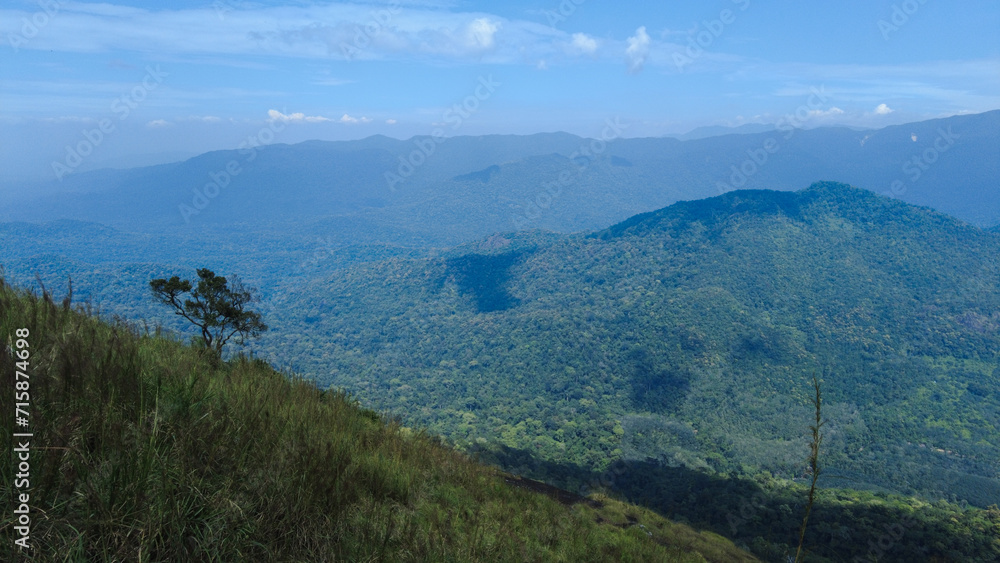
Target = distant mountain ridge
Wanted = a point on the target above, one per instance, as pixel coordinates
(718, 130)
(554, 181)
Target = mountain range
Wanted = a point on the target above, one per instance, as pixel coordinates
(432, 190)
(317, 206)
(638, 316)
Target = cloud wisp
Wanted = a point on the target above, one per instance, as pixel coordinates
(637, 51)
(276, 116)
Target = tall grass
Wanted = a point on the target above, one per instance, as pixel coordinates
(145, 449)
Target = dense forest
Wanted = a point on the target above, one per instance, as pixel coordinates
(704, 320)
(686, 338)
(667, 360)
(144, 449)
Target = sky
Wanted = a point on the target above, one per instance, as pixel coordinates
(140, 82)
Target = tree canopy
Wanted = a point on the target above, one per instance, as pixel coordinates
(216, 305)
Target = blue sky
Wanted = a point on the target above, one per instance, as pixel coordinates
(204, 75)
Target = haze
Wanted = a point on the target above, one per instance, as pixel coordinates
(199, 76)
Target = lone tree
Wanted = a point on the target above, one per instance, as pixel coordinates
(215, 306)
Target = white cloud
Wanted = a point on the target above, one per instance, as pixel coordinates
(826, 112)
(348, 119)
(883, 109)
(158, 123)
(390, 121)
(203, 118)
(276, 115)
(436, 32)
(542, 65)
(480, 33)
(417, 32)
(69, 118)
(638, 50)
(584, 43)
(310, 30)
(332, 82)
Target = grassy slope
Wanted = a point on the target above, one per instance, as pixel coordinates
(144, 449)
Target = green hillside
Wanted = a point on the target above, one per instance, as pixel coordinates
(144, 449)
(688, 336)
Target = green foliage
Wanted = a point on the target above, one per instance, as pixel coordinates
(673, 346)
(144, 450)
(682, 337)
(216, 306)
(705, 314)
(764, 514)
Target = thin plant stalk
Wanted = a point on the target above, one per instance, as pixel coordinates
(817, 439)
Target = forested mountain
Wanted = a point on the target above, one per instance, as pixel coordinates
(747, 283)
(688, 336)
